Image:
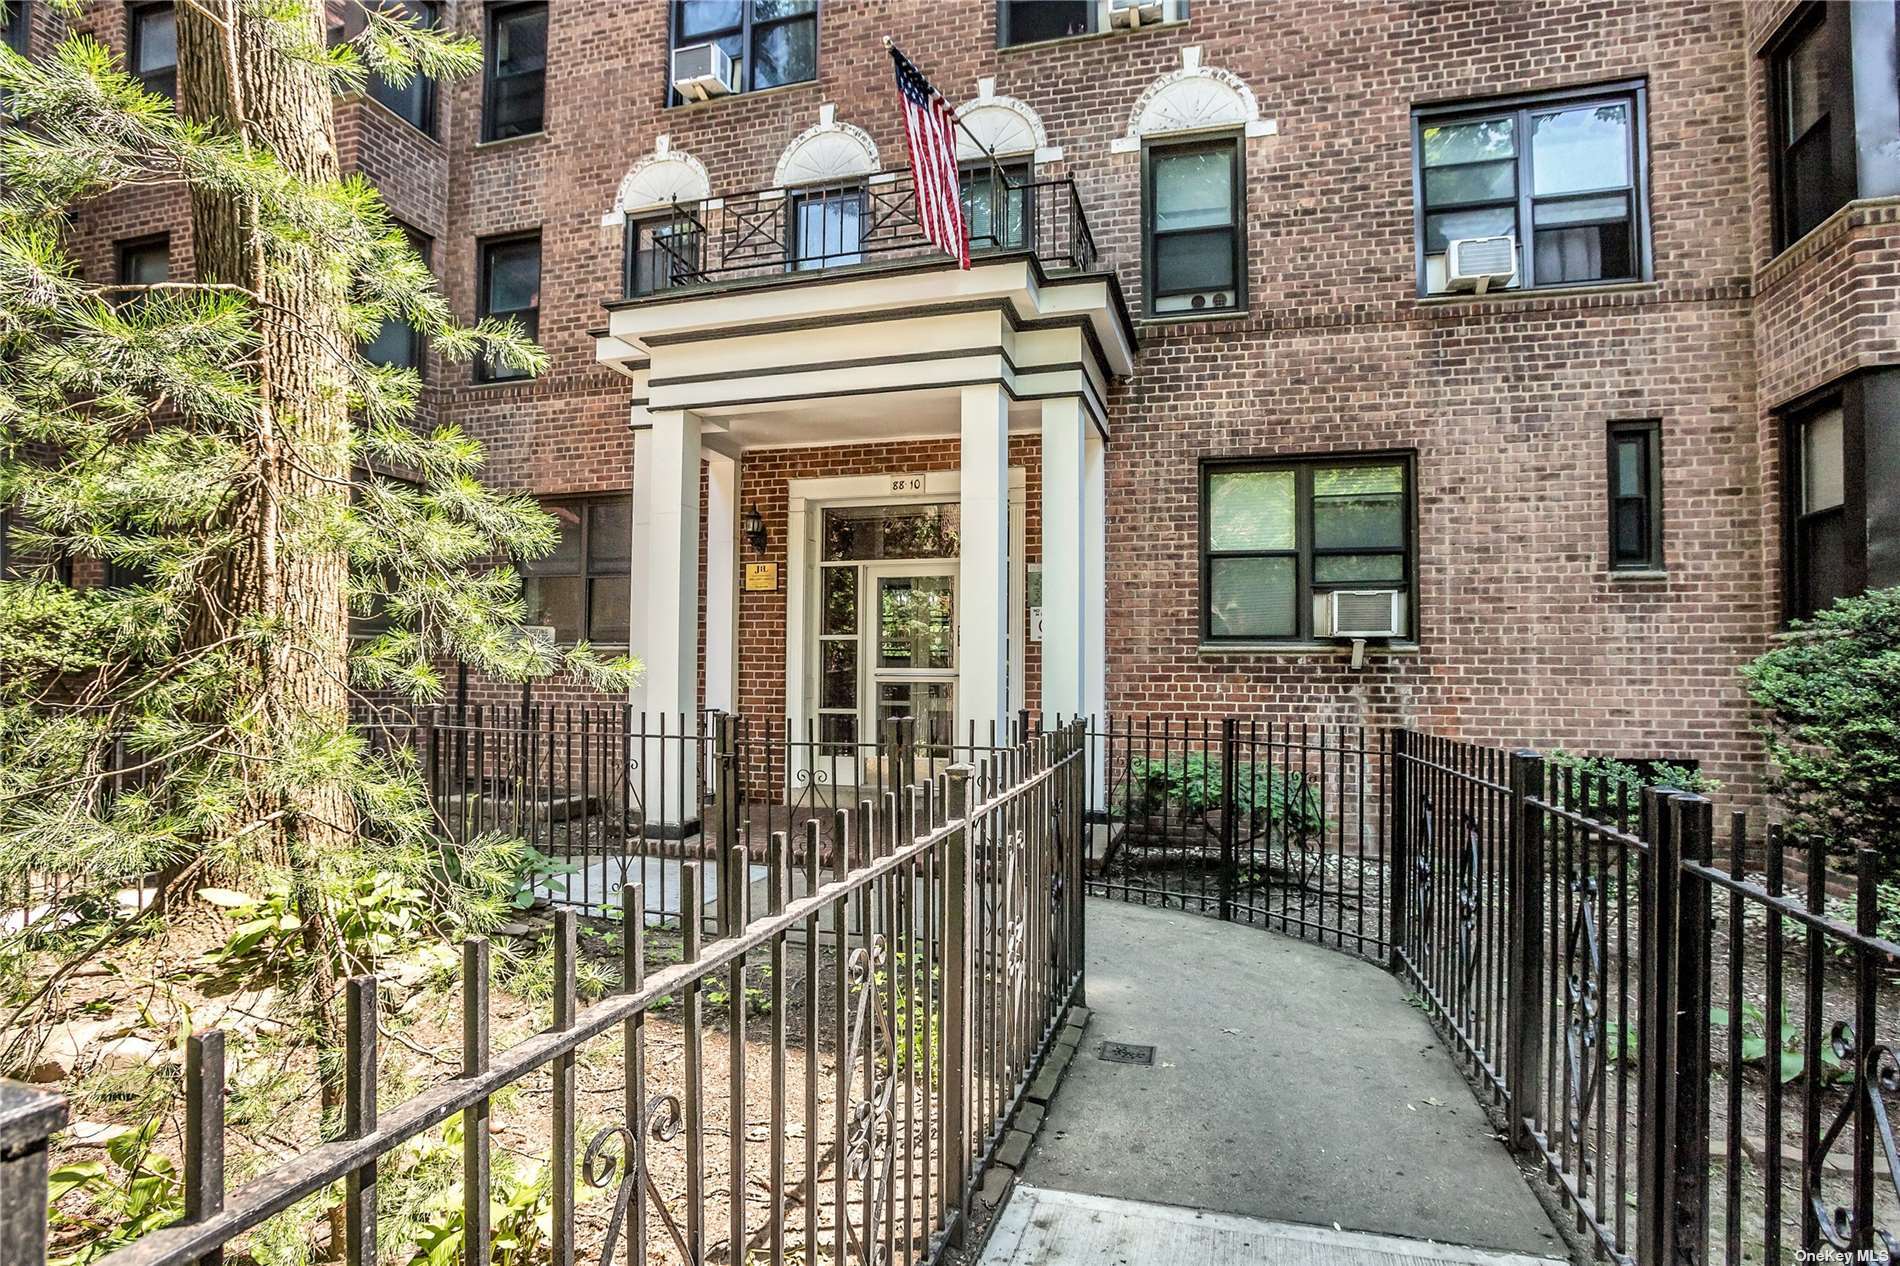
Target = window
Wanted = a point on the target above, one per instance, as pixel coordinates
(143, 262)
(1029, 21)
(1277, 537)
(1820, 570)
(827, 227)
(661, 253)
(1812, 134)
(514, 89)
(1636, 496)
(584, 589)
(997, 209)
(770, 42)
(1561, 177)
(14, 24)
(399, 344)
(414, 101)
(152, 47)
(1191, 252)
(510, 291)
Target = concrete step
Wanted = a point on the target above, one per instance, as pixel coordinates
(1041, 1226)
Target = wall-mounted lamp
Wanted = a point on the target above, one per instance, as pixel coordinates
(754, 526)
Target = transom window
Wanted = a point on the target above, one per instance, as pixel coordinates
(1278, 537)
(1546, 191)
(152, 47)
(514, 101)
(770, 42)
(583, 590)
(1191, 209)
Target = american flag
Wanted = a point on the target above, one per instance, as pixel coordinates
(931, 130)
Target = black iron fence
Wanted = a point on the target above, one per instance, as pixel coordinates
(1691, 1047)
(771, 232)
(1253, 821)
(914, 989)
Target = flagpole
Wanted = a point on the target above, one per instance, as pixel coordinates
(956, 116)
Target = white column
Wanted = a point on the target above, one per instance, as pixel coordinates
(983, 564)
(1064, 617)
(1094, 572)
(722, 582)
(668, 599)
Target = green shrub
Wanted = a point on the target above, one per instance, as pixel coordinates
(1833, 731)
(1192, 783)
(1603, 786)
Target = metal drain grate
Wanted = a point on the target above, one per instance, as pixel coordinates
(1127, 1053)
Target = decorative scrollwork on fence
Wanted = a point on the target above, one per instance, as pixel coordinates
(1876, 1075)
(870, 1152)
(1421, 895)
(662, 1120)
(1468, 858)
(1583, 986)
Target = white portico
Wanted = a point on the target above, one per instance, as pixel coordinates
(912, 588)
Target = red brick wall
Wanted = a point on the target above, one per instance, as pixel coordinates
(1524, 636)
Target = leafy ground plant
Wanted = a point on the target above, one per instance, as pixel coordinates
(116, 1200)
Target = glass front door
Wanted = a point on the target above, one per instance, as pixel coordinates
(911, 659)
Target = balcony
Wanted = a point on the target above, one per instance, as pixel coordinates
(778, 235)
(825, 315)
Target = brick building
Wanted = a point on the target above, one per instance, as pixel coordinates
(1513, 370)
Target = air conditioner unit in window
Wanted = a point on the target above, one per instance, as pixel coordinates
(1479, 264)
(702, 71)
(1368, 612)
(1206, 301)
(1134, 13)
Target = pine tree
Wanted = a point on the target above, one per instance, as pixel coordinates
(221, 440)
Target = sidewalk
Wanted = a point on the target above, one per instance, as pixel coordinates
(1289, 1083)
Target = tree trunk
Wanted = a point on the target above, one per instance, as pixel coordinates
(231, 73)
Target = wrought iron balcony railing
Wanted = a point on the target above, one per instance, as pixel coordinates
(781, 231)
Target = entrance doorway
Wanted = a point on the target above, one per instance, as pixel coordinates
(887, 643)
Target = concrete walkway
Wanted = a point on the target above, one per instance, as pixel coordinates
(1289, 1083)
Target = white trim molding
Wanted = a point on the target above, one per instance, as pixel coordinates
(1195, 98)
(665, 176)
(1004, 124)
(827, 150)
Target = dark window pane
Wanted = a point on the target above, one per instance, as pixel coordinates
(985, 196)
(840, 613)
(1630, 518)
(699, 18)
(1822, 542)
(517, 71)
(1470, 182)
(1581, 148)
(565, 558)
(1252, 597)
(1449, 226)
(772, 10)
(785, 53)
(906, 531)
(1339, 569)
(144, 265)
(609, 608)
(609, 535)
(395, 346)
(838, 672)
(555, 601)
(829, 228)
(1808, 171)
(1358, 522)
(156, 40)
(1629, 466)
(1031, 20)
(1804, 74)
(1592, 253)
(838, 731)
(1202, 260)
(514, 276)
